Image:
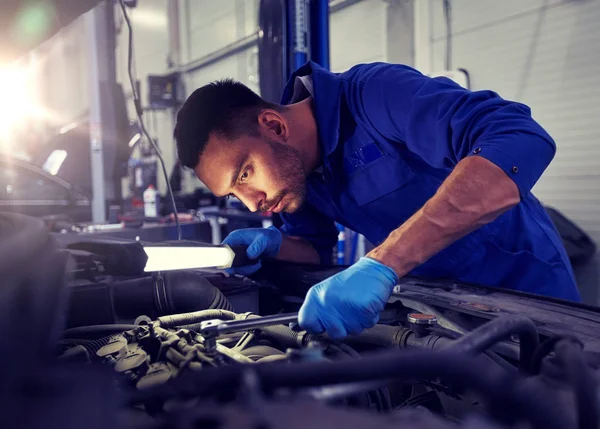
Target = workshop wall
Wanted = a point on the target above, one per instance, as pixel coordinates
(215, 39)
(150, 24)
(65, 61)
(218, 39)
(60, 73)
(543, 53)
(208, 30)
(358, 34)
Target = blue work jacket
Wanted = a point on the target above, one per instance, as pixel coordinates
(390, 136)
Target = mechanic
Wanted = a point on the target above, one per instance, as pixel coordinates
(437, 177)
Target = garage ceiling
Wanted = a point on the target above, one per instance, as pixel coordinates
(24, 24)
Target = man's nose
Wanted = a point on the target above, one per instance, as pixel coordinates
(251, 198)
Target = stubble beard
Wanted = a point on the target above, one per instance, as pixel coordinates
(292, 176)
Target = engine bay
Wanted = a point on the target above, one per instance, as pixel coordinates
(100, 348)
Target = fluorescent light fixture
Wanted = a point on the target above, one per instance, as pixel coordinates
(146, 17)
(136, 138)
(168, 258)
(55, 161)
(67, 128)
(17, 103)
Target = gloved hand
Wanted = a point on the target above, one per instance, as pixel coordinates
(349, 301)
(261, 242)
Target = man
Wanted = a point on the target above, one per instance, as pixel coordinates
(437, 177)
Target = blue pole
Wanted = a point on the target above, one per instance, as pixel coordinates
(341, 244)
(319, 32)
(353, 247)
(298, 16)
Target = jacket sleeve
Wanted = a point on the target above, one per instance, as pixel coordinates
(316, 228)
(443, 123)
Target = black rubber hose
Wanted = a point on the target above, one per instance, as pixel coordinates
(189, 290)
(391, 336)
(91, 346)
(283, 334)
(193, 318)
(500, 388)
(543, 350)
(394, 336)
(583, 381)
(221, 302)
(96, 331)
(379, 335)
(450, 335)
(152, 295)
(526, 400)
(501, 328)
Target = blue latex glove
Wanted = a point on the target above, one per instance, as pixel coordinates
(349, 301)
(261, 242)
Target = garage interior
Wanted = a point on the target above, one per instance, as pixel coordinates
(90, 93)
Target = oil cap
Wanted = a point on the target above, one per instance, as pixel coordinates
(421, 324)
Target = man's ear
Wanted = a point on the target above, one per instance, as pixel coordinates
(273, 123)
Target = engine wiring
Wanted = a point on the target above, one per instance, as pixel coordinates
(177, 357)
(138, 111)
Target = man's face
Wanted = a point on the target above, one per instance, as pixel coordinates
(264, 174)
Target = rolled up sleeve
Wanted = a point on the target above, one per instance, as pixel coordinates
(523, 155)
(444, 123)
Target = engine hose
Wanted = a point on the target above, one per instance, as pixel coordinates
(288, 338)
(283, 334)
(259, 352)
(91, 346)
(379, 335)
(221, 302)
(544, 349)
(394, 336)
(391, 336)
(583, 381)
(195, 317)
(379, 394)
(505, 390)
(499, 329)
(96, 331)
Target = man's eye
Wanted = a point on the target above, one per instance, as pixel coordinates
(244, 176)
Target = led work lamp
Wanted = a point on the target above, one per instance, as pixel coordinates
(167, 258)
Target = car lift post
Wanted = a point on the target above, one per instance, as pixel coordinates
(100, 69)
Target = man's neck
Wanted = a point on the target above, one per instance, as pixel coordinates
(304, 129)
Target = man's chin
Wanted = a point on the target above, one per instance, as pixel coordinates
(293, 205)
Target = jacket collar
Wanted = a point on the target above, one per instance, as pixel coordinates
(327, 91)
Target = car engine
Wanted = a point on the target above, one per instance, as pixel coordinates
(431, 362)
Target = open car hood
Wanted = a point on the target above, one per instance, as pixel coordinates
(458, 306)
(552, 316)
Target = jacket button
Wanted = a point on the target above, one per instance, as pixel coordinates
(477, 150)
(515, 169)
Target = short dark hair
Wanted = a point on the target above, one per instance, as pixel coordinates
(226, 107)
